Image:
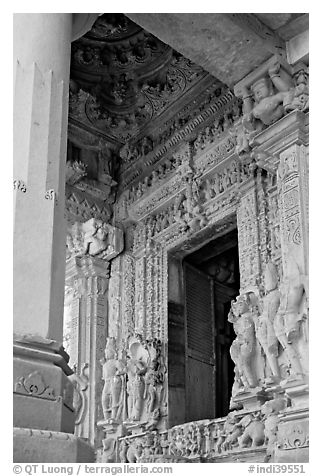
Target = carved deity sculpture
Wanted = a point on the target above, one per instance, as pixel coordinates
(266, 107)
(243, 347)
(265, 323)
(289, 318)
(95, 237)
(137, 368)
(113, 374)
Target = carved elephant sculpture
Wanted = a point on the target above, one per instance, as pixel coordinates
(253, 434)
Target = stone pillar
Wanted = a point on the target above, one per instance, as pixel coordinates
(91, 247)
(88, 278)
(42, 391)
(40, 136)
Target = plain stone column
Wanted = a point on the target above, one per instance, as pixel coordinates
(42, 44)
(43, 413)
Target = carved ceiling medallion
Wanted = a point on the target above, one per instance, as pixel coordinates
(123, 78)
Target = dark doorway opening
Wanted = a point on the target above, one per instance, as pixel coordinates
(211, 282)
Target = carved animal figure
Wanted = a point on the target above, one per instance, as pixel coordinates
(253, 434)
(134, 452)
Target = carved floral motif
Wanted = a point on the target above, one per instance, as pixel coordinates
(34, 385)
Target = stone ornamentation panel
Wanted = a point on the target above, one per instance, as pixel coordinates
(239, 436)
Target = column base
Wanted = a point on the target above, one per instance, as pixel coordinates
(39, 446)
(293, 438)
(42, 391)
(250, 399)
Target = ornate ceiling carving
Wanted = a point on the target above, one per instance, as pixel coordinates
(123, 79)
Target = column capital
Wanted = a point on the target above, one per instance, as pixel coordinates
(94, 238)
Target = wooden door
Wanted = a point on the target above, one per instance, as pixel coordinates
(199, 345)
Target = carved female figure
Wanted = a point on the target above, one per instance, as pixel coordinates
(138, 388)
(242, 349)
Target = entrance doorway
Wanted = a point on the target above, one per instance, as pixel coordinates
(211, 282)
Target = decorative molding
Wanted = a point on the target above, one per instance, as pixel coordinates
(20, 185)
(35, 386)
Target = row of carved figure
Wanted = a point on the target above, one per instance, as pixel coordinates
(145, 145)
(132, 382)
(267, 100)
(132, 151)
(207, 439)
(186, 208)
(235, 172)
(271, 330)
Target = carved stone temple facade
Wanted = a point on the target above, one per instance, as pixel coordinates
(161, 299)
